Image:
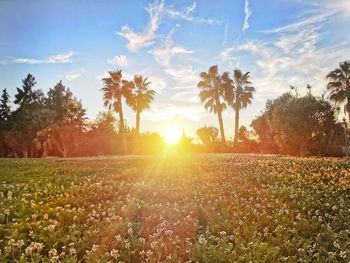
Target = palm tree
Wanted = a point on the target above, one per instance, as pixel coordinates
(208, 135)
(239, 93)
(140, 98)
(114, 89)
(339, 85)
(211, 91)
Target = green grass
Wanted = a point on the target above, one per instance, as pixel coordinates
(199, 208)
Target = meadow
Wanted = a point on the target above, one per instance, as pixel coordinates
(190, 208)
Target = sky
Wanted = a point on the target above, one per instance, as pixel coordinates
(280, 42)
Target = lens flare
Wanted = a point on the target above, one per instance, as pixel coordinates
(171, 134)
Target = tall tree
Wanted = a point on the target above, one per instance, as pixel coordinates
(5, 114)
(140, 98)
(5, 109)
(68, 120)
(339, 85)
(299, 125)
(212, 91)
(26, 95)
(28, 119)
(101, 136)
(239, 94)
(114, 89)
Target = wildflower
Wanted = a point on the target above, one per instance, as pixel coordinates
(202, 241)
(114, 253)
(7, 211)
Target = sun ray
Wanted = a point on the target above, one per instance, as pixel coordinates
(171, 134)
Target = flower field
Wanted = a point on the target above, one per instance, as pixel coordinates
(194, 208)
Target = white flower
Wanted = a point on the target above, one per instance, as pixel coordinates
(114, 253)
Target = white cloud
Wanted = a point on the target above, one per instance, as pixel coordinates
(314, 19)
(185, 78)
(61, 58)
(187, 14)
(145, 38)
(164, 53)
(190, 96)
(74, 74)
(118, 61)
(71, 76)
(227, 54)
(247, 14)
(340, 7)
(157, 84)
(137, 40)
(293, 56)
(28, 61)
(55, 59)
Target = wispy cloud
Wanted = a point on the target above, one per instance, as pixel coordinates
(339, 7)
(187, 14)
(74, 74)
(61, 58)
(227, 54)
(118, 61)
(156, 10)
(137, 40)
(158, 84)
(302, 23)
(293, 56)
(247, 13)
(165, 52)
(185, 77)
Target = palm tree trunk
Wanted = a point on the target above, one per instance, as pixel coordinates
(138, 122)
(236, 125)
(347, 107)
(121, 118)
(121, 127)
(221, 123)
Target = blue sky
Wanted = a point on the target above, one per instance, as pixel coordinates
(280, 42)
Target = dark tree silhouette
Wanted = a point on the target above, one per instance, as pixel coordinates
(5, 109)
(140, 98)
(208, 135)
(339, 86)
(114, 89)
(239, 94)
(212, 91)
(68, 120)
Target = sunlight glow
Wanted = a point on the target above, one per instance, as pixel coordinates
(171, 134)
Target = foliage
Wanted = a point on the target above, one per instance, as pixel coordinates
(212, 95)
(115, 88)
(238, 93)
(28, 119)
(5, 109)
(299, 125)
(5, 114)
(339, 85)
(68, 120)
(140, 97)
(102, 137)
(198, 208)
(208, 136)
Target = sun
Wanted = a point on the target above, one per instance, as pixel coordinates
(171, 134)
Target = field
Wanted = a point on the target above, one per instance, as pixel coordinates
(194, 208)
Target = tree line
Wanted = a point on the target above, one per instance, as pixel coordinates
(290, 124)
(55, 123)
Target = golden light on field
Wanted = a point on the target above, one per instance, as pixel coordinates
(171, 134)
